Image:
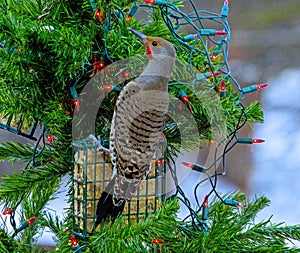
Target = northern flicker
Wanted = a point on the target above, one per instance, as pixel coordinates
(137, 126)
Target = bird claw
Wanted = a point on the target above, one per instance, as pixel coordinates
(98, 142)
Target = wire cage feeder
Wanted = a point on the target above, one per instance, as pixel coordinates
(92, 171)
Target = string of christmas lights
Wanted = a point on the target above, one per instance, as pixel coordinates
(46, 45)
(31, 164)
(196, 42)
(174, 18)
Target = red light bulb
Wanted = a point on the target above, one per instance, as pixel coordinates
(7, 211)
(101, 64)
(76, 103)
(31, 220)
(217, 73)
(257, 141)
(49, 138)
(189, 165)
(261, 86)
(126, 74)
(221, 33)
(157, 241)
(159, 162)
(213, 57)
(98, 14)
(205, 203)
(223, 86)
(107, 87)
(185, 99)
(150, 1)
(74, 242)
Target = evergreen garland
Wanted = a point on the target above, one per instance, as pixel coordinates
(230, 230)
(48, 47)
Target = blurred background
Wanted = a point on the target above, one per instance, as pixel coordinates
(264, 48)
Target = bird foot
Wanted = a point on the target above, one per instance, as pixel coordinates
(98, 142)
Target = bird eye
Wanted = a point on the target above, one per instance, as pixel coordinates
(154, 43)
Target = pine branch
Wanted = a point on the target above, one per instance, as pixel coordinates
(48, 168)
(119, 236)
(15, 152)
(47, 47)
(52, 222)
(229, 231)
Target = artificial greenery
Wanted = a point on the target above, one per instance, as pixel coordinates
(230, 230)
(48, 47)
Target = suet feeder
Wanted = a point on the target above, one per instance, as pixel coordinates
(92, 171)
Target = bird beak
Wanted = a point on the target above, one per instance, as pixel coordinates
(141, 36)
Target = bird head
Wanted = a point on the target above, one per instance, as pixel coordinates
(155, 46)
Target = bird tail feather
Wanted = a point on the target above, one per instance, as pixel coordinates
(107, 206)
(112, 200)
